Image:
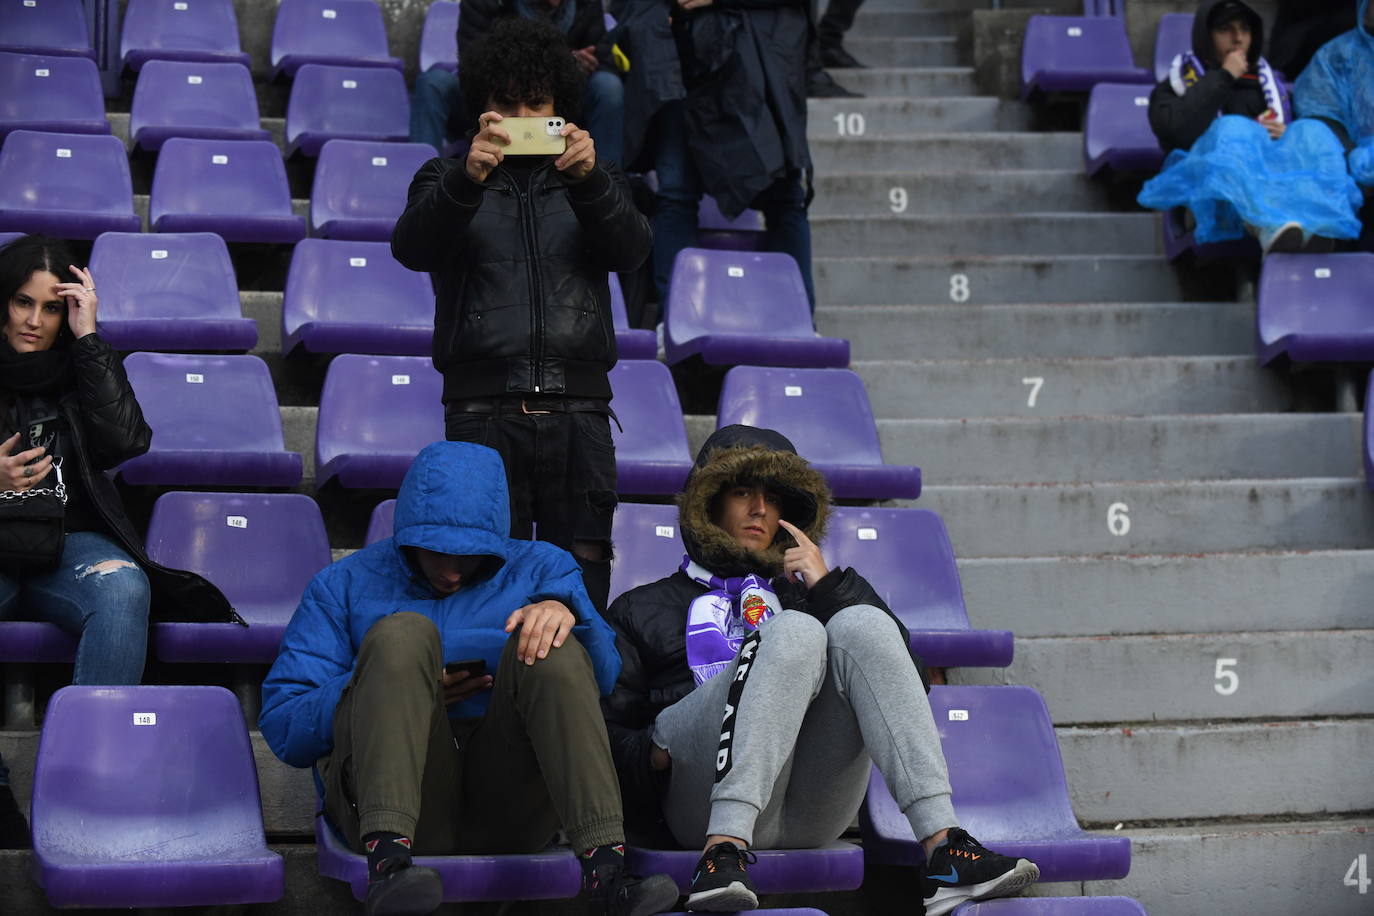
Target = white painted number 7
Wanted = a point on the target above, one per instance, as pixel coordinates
(1035, 382)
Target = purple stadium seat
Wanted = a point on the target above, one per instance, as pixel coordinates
(838, 866)
(360, 187)
(1116, 130)
(215, 423)
(549, 875)
(1009, 789)
(234, 188)
(749, 308)
(381, 524)
(194, 30)
(72, 186)
(1074, 53)
(1053, 906)
(34, 641)
(260, 549)
(1173, 36)
(45, 27)
(826, 414)
(1316, 308)
(53, 94)
(439, 37)
(1179, 241)
(7, 237)
(648, 546)
(630, 343)
(194, 99)
(345, 103)
(349, 33)
(376, 413)
(354, 297)
(169, 292)
(743, 233)
(651, 455)
(907, 557)
(148, 797)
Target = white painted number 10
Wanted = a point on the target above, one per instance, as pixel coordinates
(1118, 522)
(1358, 867)
(851, 124)
(1228, 682)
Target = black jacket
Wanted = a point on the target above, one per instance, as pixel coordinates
(522, 303)
(106, 427)
(1178, 120)
(588, 26)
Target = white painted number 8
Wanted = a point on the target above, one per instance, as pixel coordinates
(1224, 673)
(850, 125)
(1358, 866)
(1118, 522)
(958, 288)
(896, 200)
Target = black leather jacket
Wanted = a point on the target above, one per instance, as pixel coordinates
(522, 304)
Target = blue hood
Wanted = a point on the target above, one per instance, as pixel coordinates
(454, 500)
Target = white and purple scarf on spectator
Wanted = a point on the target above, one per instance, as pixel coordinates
(719, 620)
(1186, 70)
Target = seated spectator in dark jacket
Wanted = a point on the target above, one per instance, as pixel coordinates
(519, 248)
(437, 110)
(419, 756)
(831, 689)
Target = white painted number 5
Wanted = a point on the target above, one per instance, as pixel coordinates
(1035, 382)
(1118, 522)
(1225, 673)
(1359, 866)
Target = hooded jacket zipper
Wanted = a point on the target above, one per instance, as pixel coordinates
(525, 203)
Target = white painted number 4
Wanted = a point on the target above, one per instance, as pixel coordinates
(1035, 382)
(1357, 875)
(1226, 673)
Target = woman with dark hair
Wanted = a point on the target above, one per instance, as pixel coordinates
(67, 413)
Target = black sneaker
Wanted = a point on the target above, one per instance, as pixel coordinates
(821, 85)
(837, 58)
(404, 890)
(14, 830)
(720, 884)
(624, 894)
(964, 869)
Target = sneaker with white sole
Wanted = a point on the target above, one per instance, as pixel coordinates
(720, 883)
(963, 869)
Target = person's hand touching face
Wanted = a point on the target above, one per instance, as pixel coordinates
(1231, 41)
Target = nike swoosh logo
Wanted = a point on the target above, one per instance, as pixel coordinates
(951, 878)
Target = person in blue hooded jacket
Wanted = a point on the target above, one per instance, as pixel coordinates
(444, 684)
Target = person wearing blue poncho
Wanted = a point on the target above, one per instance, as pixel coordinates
(1238, 162)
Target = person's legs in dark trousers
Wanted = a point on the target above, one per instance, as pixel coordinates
(435, 103)
(830, 31)
(783, 204)
(679, 196)
(603, 103)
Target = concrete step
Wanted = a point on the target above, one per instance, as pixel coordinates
(879, 116)
(996, 279)
(1154, 518)
(883, 332)
(1282, 674)
(946, 152)
(1072, 387)
(1088, 449)
(905, 51)
(878, 23)
(924, 193)
(908, 82)
(950, 235)
(1169, 593)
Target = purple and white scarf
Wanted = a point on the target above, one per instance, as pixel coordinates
(1186, 70)
(719, 620)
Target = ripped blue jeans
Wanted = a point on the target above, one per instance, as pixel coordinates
(97, 593)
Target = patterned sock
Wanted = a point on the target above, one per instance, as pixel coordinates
(596, 862)
(385, 851)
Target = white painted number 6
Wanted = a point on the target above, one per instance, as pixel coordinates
(1035, 382)
(1359, 866)
(897, 200)
(958, 288)
(1118, 522)
(851, 124)
(1225, 673)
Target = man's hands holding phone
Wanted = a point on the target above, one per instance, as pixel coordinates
(488, 149)
(464, 680)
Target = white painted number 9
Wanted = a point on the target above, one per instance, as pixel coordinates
(958, 288)
(1224, 673)
(1359, 866)
(897, 200)
(851, 124)
(1118, 522)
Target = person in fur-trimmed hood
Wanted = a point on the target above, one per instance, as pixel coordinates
(758, 686)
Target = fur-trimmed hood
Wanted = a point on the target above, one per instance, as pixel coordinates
(745, 454)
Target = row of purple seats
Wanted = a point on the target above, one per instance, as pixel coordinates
(50, 93)
(45, 27)
(202, 31)
(1316, 308)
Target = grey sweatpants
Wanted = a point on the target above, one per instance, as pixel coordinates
(777, 748)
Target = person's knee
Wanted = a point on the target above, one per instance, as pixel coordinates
(605, 92)
(402, 641)
(592, 551)
(860, 626)
(801, 636)
(122, 584)
(435, 85)
(566, 664)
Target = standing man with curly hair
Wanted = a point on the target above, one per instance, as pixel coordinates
(519, 248)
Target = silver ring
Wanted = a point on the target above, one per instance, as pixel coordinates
(28, 472)
(89, 289)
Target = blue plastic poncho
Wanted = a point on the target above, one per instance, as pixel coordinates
(1339, 82)
(1235, 176)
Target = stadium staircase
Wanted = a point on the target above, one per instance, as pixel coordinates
(1179, 540)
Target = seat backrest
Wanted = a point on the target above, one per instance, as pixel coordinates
(260, 549)
(182, 26)
(167, 276)
(359, 282)
(906, 556)
(142, 773)
(646, 402)
(736, 292)
(1118, 115)
(648, 545)
(364, 179)
(1073, 42)
(327, 98)
(45, 27)
(382, 523)
(439, 37)
(825, 412)
(244, 177)
(332, 29)
(217, 403)
(77, 172)
(1325, 294)
(620, 318)
(48, 88)
(1173, 36)
(387, 404)
(194, 94)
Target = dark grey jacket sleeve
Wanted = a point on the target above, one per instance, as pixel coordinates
(114, 424)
